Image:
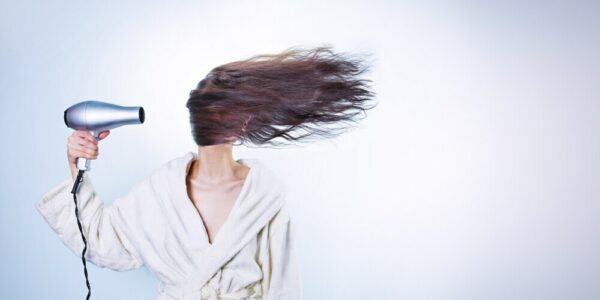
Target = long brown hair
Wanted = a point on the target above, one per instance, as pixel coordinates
(278, 99)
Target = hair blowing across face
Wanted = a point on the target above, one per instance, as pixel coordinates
(279, 99)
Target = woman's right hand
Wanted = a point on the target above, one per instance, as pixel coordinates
(81, 143)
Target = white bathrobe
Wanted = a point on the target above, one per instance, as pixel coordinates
(157, 225)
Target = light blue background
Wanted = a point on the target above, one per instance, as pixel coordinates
(477, 177)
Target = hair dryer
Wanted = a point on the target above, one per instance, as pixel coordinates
(96, 116)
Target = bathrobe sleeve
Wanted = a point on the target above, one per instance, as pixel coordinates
(284, 279)
(108, 244)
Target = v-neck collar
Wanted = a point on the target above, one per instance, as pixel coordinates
(260, 198)
(198, 220)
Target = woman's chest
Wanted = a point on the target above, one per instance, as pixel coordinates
(213, 205)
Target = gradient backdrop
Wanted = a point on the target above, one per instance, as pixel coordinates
(477, 177)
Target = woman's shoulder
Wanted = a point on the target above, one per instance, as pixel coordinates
(176, 166)
(167, 173)
(267, 175)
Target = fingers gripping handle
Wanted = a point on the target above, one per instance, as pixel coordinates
(83, 163)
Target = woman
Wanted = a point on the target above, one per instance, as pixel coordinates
(210, 226)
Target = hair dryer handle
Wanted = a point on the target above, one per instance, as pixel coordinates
(84, 163)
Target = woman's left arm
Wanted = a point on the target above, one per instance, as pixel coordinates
(284, 281)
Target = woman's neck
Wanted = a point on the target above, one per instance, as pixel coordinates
(214, 163)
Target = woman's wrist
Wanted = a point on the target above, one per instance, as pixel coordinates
(74, 171)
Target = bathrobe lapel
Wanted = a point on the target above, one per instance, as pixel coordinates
(258, 202)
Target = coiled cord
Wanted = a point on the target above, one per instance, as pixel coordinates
(74, 192)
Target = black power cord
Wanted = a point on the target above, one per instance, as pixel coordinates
(74, 192)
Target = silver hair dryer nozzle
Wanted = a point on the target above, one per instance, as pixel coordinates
(96, 116)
